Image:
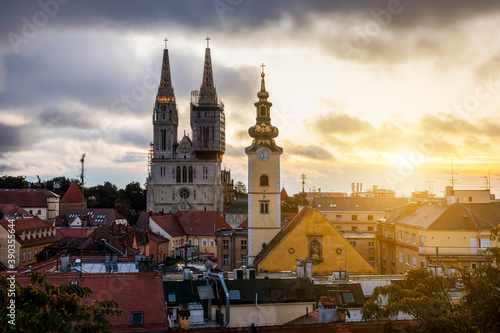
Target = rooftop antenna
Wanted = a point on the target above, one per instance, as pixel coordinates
(430, 186)
(453, 179)
(303, 177)
(487, 180)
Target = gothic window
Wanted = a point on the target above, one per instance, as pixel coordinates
(194, 194)
(178, 174)
(264, 207)
(190, 174)
(184, 193)
(264, 180)
(205, 172)
(163, 139)
(173, 195)
(263, 111)
(170, 115)
(184, 174)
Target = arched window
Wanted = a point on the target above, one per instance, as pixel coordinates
(190, 174)
(263, 111)
(264, 180)
(184, 174)
(178, 174)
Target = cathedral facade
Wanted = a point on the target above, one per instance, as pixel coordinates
(186, 174)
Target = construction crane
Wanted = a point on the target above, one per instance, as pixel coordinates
(82, 175)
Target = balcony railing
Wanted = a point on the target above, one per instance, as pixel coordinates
(451, 251)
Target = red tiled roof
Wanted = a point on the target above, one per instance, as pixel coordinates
(134, 292)
(201, 223)
(95, 216)
(76, 232)
(286, 218)
(284, 195)
(13, 209)
(73, 194)
(26, 197)
(328, 302)
(33, 224)
(156, 238)
(243, 225)
(310, 318)
(170, 224)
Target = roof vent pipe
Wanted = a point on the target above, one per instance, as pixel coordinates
(228, 297)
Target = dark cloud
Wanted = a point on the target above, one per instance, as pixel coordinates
(433, 136)
(54, 117)
(237, 82)
(447, 123)
(339, 123)
(132, 157)
(242, 135)
(12, 138)
(233, 15)
(313, 152)
(235, 151)
(489, 68)
(4, 168)
(130, 136)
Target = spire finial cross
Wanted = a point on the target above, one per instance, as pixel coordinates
(208, 40)
(262, 67)
(165, 40)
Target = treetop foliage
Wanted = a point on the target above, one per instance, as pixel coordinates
(44, 307)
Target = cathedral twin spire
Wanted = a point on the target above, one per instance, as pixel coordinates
(208, 93)
(165, 89)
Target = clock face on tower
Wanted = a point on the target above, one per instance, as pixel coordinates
(263, 155)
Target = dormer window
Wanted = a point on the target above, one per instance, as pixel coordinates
(28, 236)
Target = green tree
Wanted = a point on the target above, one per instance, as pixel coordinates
(137, 196)
(239, 188)
(60, 185)
(102, 196)
(44, 307)
(426, 297)
(290, 205)
(13, 182)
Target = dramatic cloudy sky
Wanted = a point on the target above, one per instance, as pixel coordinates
(377, 92)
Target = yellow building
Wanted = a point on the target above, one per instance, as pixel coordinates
(356, 218)
(264, 195)
(32, 235)
(436, 236)
(310, 235)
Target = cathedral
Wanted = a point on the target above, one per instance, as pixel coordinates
(186, 174)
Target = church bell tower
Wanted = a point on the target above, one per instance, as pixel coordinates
(264, 204)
